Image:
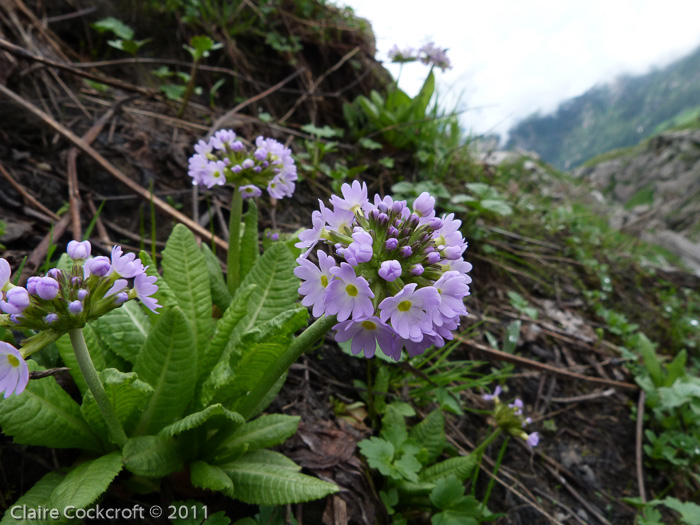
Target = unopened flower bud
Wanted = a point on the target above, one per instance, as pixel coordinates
(82, 294)
(121, 298)
(248, 163)
(50, 318)
(433, 258)
(392, 232)
(406, 251)
(54, 273)
(17, 297)
(75, 307)
(391, 244)
(99, 266)
(435, 224)
(47, 288)
(390, 270)
(79, 250)
(31, 284)
(382, 218)
(397, 207)
(417, 270)
(237, 146)
(237, 169)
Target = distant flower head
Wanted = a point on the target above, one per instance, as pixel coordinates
(382, 271)
(14, 374)
(402, 55)
(430, 54)
(224, 159)
(509, 417)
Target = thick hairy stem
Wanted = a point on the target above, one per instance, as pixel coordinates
(234, 241)
(116, 431)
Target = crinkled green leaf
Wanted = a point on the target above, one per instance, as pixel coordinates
(185, 271)
(689, 511)
(277, 287)
(459, 467)
(457, 509)
(152, 456)
(124, 330)
(250, 251)
(168, 363)
(199, 418)
(86, 482)
(260, 348)
(127, 395)
(264, 432)
(680, 393)
(219, 291)
(36, 497)
(430, 434)
(265, 477)
(496, 206)
(222, 342)
(210, 477)
(45, 415)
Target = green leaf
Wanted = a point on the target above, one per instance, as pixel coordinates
(130, 46)
(185, 271)
(86, 482)
(460, 467)
(264, 432)
(458, 509)
(219, 291)
(380, 455)
(261, 347)
(35, 498)
(430, 434)
(124, 330)
(45, 415)
(115, 26)
(169, 365)
(498, 207)
(127, 395)
(277, 287)
(680, 393)
(199, 418)
(210, 477)
(249, 241)
(690, 512)
(265, 477)
(152, 456)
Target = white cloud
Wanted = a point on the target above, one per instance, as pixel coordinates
(513, 57)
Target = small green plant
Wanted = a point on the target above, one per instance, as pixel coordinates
(125, 35)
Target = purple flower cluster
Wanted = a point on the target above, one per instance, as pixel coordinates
(428, 54)
(395, 276)
(224, 159)
(510, 417)
(62, 300)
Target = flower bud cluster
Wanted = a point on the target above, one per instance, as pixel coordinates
(428, 54)
(510, 418)
(63, 300)
(224, 159)
(395, 275)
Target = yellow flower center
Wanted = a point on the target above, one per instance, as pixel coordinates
(404, 306)
(369, 325)
(13, 361)
(352, 290)
(324, 281)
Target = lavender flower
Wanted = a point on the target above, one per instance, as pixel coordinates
(125, 265)
(14, 374)
(144, 288)
(392, 252)
(5, 272)
(496, 392)
(430, 54)
(533, 439)
(250, 191)
(366, 335)
(402, 55)
(348, 295)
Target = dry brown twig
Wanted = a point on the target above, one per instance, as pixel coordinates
(111, 169)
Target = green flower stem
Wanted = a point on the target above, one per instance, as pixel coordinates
(492, 480)
(234, 241)
(116, 431)
(300, 345)
(480, 449)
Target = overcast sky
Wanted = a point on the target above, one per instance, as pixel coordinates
(513, 57)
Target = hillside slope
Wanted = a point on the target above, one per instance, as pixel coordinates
(614, 115)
